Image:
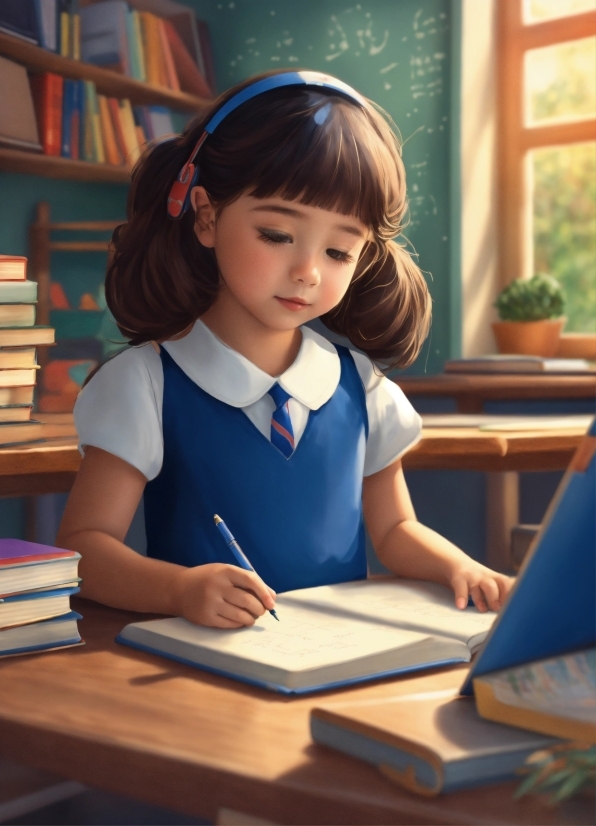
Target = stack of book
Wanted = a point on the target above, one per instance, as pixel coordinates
(19, 338)
(75, 122)
(36, 583)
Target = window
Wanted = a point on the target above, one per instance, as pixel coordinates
(547, 148)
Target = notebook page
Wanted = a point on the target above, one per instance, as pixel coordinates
(421, 606)
(303, 639)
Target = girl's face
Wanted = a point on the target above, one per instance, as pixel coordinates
(282, 262)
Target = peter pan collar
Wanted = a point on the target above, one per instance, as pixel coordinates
(230, 377)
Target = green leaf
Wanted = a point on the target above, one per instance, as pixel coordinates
(571, 785)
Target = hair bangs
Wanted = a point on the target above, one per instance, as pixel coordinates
(340, 164)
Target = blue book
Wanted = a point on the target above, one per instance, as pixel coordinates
(552, 607)
(104, 39)
(47, 17)
(68, 107)
(58, 632)
(35, 606)
(19, 18)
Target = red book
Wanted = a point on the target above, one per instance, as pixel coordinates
(47, 89)
(13, 268)
(191, 80)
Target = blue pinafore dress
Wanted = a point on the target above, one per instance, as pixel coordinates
(298, 520)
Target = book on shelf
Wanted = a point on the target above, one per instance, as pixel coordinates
(26, 336)
(518, 364)
(31, 566)
(104, 39)
(18, 292)
(17, 315)
(48, 635)
(18, 126)
(327, 636)
(68, 24)
(23, 608)
(20, 433)
(13, 268)
(72, 116)
(19, 18)
(48, 90)
(111, 143)
(428, 743)
(555, 696)
(190, 78)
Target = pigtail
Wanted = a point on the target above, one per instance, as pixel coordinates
(386, 311)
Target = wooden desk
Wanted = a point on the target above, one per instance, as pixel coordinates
(51, 467)
(174, 736)
(471, 390)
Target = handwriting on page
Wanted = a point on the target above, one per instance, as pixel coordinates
(313, 639)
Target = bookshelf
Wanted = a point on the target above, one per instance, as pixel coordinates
(108, 83)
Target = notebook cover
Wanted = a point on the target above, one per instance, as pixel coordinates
(552, 606)
(282, 689)
(19, 551)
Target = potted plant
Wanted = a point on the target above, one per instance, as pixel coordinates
(531, 316)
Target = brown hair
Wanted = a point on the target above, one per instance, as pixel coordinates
(161, 279)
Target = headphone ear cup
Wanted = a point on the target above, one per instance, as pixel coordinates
(179, 197)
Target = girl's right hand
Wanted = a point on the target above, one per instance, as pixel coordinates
(222, 596)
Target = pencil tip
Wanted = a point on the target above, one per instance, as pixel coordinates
(273, 614)
(217, 519)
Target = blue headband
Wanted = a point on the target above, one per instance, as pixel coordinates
(179, 197)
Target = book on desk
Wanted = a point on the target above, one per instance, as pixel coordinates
(329, 636)
(434, 744)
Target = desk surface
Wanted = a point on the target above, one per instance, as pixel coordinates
(174, 736)
(51, 467)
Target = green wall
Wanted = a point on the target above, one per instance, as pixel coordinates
(404, 55)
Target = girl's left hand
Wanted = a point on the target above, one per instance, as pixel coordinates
(487, 588)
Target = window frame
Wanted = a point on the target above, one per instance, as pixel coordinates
(515, 139)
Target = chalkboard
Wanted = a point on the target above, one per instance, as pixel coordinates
(399, 53)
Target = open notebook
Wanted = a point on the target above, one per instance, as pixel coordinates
(328, 636)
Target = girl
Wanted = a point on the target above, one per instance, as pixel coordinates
(276, 207)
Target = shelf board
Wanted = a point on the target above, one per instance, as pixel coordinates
(107, 82)
(48, 166)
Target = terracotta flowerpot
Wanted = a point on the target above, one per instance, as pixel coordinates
(529, 338)
(577, 346)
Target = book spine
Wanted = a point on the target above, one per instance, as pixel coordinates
(128, 129)
(114, 110)
(75, 120)
(139, 45)
(64, 38)
(107, 129)
(88, 141)
(170, 69)
(67, 109)
(135, 71)
(46, 89)
(75, 31)
(95, 121)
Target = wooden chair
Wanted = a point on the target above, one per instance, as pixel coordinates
(42, 245)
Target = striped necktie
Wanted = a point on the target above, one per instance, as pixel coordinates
(282, 435)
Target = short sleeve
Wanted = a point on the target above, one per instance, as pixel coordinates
(393, 424)
(119, 410)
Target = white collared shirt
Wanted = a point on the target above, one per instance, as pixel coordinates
(120, 410)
